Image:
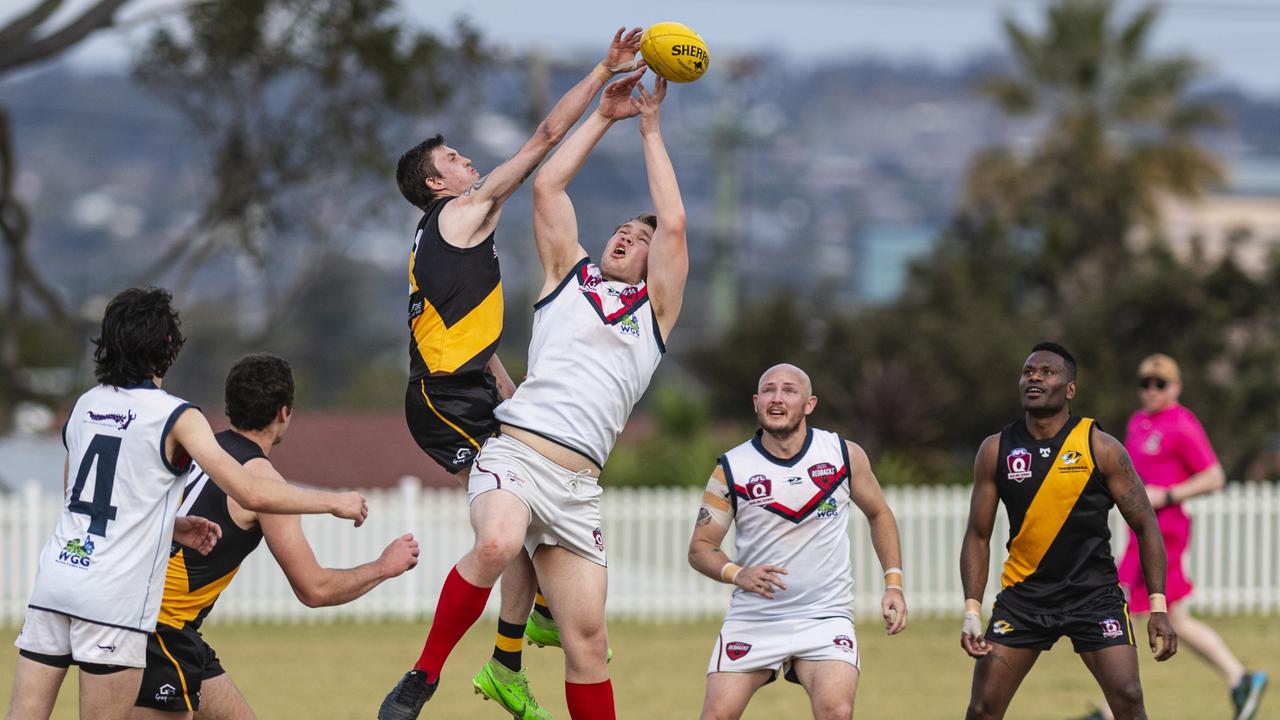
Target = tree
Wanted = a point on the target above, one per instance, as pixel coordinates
(1043, 247)
(32, 36)
(1118, 131)
(294, 102)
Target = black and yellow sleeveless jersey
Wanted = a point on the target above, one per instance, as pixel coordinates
(455, 302)
(193, 581)
(1058, 502)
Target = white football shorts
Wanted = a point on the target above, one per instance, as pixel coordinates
(564, 506)
(747, 646)
(51, 633)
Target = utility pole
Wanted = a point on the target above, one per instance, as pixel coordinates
(728, 136)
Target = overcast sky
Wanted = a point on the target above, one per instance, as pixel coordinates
(1237, 38)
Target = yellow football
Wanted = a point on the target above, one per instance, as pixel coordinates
(674, 51)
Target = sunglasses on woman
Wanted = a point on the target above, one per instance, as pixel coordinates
(1146, 383)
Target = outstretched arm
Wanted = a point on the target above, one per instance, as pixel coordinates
(668, 252)
(313, 584)
(192, 433)
(555, 225)
(1131, 498)
(473, 216)
(865, 492)
(975, 552)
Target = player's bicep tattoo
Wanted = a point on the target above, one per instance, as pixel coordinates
(1132, 498)
(476, 185)
(704, 517)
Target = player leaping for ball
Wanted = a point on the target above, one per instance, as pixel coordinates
(598, 334)
(455, 324)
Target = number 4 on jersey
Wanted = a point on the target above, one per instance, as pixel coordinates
(106, 450)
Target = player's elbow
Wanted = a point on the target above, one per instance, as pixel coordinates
(250, 498)
(694, 555)
(673, 223)
(312, 597)
(547, 136)
(545, 184)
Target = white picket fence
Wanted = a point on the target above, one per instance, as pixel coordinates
(1233, 560)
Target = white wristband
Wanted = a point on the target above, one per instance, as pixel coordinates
(732, 569)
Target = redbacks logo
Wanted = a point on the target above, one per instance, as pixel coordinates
(1019, 462)
(824, 475)
(844, 642)
(737, 650)
(759, 490)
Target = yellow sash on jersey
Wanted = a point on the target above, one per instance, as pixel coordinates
(181, 604)
(1052, 504)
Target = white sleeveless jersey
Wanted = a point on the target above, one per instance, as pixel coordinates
(106, 560)
(595, 346)
(793, 513)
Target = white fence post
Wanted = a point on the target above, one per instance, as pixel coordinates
(1233, 559)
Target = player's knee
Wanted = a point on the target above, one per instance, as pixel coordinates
(495, 553)
(1126, 698)
(833, 709)
(981, 709)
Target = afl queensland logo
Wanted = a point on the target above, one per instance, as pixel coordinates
(1019, 464)
(844, 642)
(759, 490)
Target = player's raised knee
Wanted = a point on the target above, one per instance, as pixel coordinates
(494, 553)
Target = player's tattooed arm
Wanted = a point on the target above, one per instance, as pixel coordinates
(1131, 499)
(704, 517)
(712, 525)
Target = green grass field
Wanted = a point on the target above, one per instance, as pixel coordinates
(342, 671)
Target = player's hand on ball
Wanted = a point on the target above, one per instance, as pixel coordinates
(971, 636)
(762, 580)
(616, 102)
(622, 51)
(400, 556)
(199, 534)
(893, 606)
(649, 104)
(351, 506)
(1158, 626)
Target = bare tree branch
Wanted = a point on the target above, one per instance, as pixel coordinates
(21, 27)
(96, 17)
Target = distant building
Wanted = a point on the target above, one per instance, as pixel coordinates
(1247, 225)
(1245, 218)
(335, 449)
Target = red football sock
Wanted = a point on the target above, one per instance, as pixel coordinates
(590, 702)
(460, 605)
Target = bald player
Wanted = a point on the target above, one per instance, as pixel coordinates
(789, 489)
